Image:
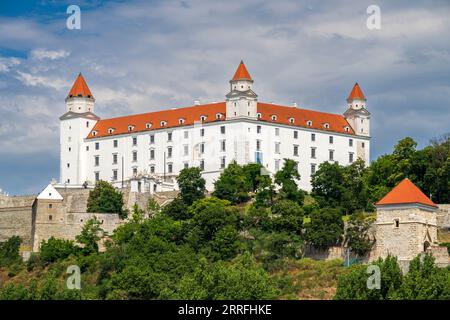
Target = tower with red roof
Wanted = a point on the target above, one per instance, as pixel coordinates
(357, 114)
(75, 125)
(241, 101)
(406, 223)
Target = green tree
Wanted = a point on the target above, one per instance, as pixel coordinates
(287, 215)
(326, 228)
(90, 234)
(137, 215)
(56, 249)
(9, 251)
(286, 178)
(191, 184)
(357, 233)
(104, 198)
(232, 184)
(177, 209)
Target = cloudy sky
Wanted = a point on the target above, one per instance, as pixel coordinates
(139, 56)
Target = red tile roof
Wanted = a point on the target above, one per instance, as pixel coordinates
(80, 88)
(192, 114)
(406, 192)
(241, 73)
(356, 93)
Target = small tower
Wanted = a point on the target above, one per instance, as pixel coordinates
(357, 115)
(75, 125)
(406, 223)
(241, 100)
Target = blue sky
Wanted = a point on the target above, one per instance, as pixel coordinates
(139, 56)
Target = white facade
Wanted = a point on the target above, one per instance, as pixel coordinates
(242, 136)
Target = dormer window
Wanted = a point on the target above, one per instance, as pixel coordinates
(163, 123)
(148, 125)
(273, 117)
(181, 120)
(347, 128)
(326, 125)
(291, 120)
(94, 133)
(258, 115)
(218, 116)
(202, 118)
(130, 127)
(309, 123)
(110, 130)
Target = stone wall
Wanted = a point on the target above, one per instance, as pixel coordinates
(16, 219)
(443, 216)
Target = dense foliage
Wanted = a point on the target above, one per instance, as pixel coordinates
(245, 242)
(106, 199)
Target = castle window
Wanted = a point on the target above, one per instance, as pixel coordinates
(110, 130)
(115, 158)
(222, 162)
(134, 171)
(169, 136)
(258, 129)
(202, 148)
(295, 134)
(347, 129)
(273, 117)
(277, 165)
(152, 154)
(313, 137)
(218, 116)
(152, 138)
(181, 121)
(313, 153)
(202, 132)
(169, 152)
(148, 125)
(115, 143)
(258, 145)
(152, 169)
(331, 155)
(186, 134)
(350, 157)
(309, 123)
(277, 131)
(202, 164)
(258, 115)
(87, 124)
(68, 165)
(291, 120)
(397, 223)
(186, 149)
(70, 149)
(313, 168)
(350, 142)
(94, 133)
(277, 147)
(97, 176)
(134, 156)
(222, 129)
(363, 144)
(50, 217)
(170, 167)
(326, 125)
(97, 161)
(114, 177)
(134, 141)
(130, 128)
(223, 145)
(97, 145)
(330, 139)
(202, 118)
(163, 123)
(296, 150)
(50, 205)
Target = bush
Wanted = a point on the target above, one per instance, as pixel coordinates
(57, 249)
(106, 199)
(9, 252)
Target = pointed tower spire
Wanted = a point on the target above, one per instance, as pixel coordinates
(80, 88)
(241, 73)
(356, 94)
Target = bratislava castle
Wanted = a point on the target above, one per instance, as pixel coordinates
(147, 151)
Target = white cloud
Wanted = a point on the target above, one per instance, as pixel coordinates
(40, 81)
(42, 54)
(7, 63)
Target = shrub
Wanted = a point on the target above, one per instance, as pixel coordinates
(56, 249)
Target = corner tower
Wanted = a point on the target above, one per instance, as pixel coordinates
(357, 115)
(75, 125)
(241, 100)
(406, 223)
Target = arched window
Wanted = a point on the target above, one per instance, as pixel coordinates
(130, 127)
(309, 123)
(202, 118)
(110, 130)
(163, 123)
(94, 133)
(326, 125)
(291, 120)
(258, 115)
(181, 120)
(274, 117)
(148, 125)
(218, 116)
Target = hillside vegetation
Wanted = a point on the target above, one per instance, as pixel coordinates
(246, 241)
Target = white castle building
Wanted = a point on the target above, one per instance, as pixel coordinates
(148, 150)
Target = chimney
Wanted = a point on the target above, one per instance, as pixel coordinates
(294, 104)
(197, 102)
